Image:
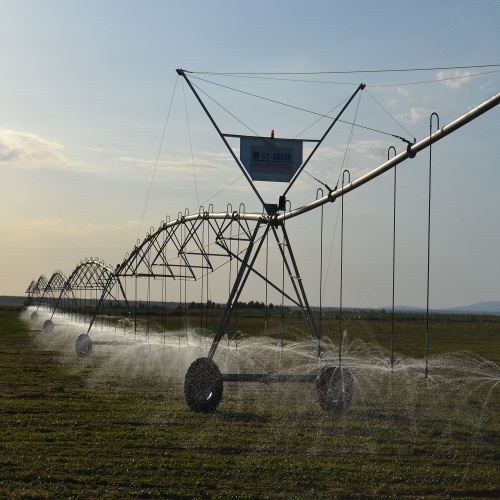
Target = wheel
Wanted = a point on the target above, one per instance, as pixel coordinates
(203, 386)
(83, 346)
(335, 388)
(34, 316)
(48, 326)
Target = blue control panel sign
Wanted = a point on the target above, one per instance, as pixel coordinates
(274, 160)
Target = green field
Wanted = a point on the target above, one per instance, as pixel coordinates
(116, 425)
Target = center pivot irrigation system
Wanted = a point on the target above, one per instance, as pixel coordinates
(194, 245)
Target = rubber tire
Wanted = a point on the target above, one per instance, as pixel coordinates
(48, 326)
(203, 386)
(83, 346)
(34, 316)
(335, 389)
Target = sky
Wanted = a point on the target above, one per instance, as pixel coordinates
(100, 139)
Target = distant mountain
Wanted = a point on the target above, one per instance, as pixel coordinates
(489, 307)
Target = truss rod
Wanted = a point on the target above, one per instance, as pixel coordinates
(361, 87)
(181, 72)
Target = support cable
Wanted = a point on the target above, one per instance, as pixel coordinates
(387, 112)
(190, 145)
(438, 80)
(318, 144)
(157, 159)
(321, 118)
(410, 152)
(219, 192)
(224, 140)
(321, 115)
(347, 151)
(396, 70)
(345, 161)
(372, 85)
(331, 251)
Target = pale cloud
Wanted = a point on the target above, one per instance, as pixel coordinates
(94, 149)
(365, 149)
(370, 149)
(454, 79)
(59, 226)
(24, 150)
(203, 163)
(403, 91)
(413, 115)
(487, 86)
(324, 153)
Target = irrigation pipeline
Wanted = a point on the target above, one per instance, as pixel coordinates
(410, 152)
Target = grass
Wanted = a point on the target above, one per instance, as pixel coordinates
(107, 428)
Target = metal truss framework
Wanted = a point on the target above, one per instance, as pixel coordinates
(90, 275)
(36, 288)
(189, 249)
(195, 245)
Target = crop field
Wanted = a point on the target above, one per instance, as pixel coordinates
(116, 425)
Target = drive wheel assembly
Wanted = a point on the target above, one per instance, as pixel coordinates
(83, 346)
(48, 326)
(203, 386)
(335, 389)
